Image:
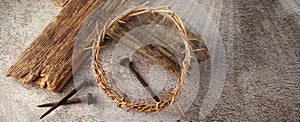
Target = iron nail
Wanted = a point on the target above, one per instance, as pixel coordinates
(89, 98)
(127, 63)
(64, 99)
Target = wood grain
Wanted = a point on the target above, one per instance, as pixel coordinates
(164, 35)
(48, 60)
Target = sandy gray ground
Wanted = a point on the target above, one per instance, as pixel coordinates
(262, 41)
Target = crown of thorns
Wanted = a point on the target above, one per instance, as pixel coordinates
(100, 74)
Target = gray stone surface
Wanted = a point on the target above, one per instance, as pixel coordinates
(262, 42)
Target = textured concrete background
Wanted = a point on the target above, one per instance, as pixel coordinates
(262, 40)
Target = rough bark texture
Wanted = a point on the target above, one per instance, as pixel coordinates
(48, 60)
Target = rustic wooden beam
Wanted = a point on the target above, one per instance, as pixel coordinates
(163, 35)
(48, 60)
